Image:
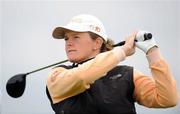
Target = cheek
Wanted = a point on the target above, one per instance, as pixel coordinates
(86, 48)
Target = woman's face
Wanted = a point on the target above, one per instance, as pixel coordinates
(80, 46)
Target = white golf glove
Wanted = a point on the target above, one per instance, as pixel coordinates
(143, 44)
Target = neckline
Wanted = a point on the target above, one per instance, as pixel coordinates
(76, 64)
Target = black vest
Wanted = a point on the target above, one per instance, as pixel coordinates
(111, 94)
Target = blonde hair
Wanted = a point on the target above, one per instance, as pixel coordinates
(106, 46)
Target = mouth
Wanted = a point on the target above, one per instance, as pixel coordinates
(70, 51)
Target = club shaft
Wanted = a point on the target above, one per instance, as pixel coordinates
(146, 36)
(119, 44)
(46, 67)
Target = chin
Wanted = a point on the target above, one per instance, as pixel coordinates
(73, 60)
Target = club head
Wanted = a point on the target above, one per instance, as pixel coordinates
(16, 85)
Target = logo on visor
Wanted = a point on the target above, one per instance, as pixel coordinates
(95, 28)
(76, 20)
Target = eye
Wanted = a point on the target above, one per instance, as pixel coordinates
(66, 38)
(76, 37)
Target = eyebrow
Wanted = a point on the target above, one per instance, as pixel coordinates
(73, 34)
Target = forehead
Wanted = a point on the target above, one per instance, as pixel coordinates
(69, 32)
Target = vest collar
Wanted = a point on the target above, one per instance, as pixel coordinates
(76, 64)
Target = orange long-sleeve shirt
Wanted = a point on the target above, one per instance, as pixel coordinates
(156, 91)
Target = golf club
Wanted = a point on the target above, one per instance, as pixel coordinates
(16, 85)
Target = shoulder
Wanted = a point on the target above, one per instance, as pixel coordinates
(122, 68)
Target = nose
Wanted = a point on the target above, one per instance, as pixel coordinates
(69, 42)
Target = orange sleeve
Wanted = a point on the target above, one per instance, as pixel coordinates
(158, 90)
(63, 83)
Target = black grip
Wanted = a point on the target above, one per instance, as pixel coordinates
(147, 36)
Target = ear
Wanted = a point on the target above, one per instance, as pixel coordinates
(98, 43)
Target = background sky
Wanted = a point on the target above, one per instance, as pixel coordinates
(26, 42)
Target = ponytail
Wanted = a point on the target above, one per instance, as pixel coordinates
(107, 45)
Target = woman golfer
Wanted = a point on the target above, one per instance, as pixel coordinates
(96, 84)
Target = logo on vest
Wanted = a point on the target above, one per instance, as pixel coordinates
(115, 76)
